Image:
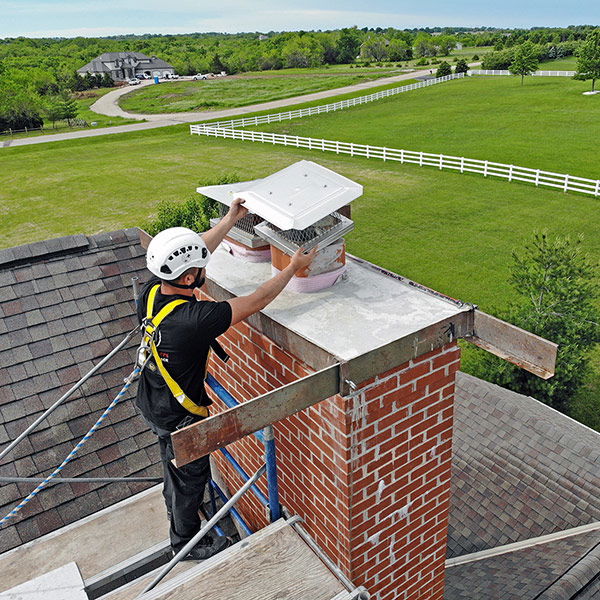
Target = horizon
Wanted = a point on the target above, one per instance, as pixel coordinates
(76, 18)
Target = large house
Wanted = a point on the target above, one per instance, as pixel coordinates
(127, 65)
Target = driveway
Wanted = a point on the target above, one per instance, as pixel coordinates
(108, 105)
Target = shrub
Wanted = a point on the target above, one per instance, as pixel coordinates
(194, 213)
(444, 69)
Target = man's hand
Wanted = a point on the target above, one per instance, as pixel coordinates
(302, 259)
(237, 211)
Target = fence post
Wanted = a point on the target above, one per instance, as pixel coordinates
(462, 164)
(537, 178)
(597, 192)
(441, 161)
(337, 146)
(485, 168)
(420, 159)
(384, 156)
(566, 188)
(401, 155)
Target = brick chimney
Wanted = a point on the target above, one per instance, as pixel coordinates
(368, 472)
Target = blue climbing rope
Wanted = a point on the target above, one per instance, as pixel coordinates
(128, 381)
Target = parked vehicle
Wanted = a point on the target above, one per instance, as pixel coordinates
(171, 76)
(134, 82)
(199, 76)
(140, 76)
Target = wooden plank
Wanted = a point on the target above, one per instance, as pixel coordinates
(277, 566)
(520, 347)
(135, 524)
(221, 429)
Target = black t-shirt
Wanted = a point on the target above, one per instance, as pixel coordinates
(183, 344)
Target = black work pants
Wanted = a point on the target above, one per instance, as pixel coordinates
(183, 491)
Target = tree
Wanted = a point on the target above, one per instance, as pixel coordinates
(216, 66)
(53, 110)
(444, 69)
(461, 66)
(194, 213)
(588, 58)
(525, 60)
(67, 107)
(558, 294)
(374, 48)
(348, 45)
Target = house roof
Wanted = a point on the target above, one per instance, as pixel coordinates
(556, 570)
(98, 64)
(64, 304)
(520, 469)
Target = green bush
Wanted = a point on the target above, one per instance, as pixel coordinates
(444, 69)
(194, 213)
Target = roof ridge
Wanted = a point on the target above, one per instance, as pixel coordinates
(55, 247)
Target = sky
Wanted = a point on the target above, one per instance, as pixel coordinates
(91, 18)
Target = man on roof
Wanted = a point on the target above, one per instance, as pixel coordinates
(180, 332)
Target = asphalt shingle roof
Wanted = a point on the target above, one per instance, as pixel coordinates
(520, 469)
(64, 304)
(557, 570)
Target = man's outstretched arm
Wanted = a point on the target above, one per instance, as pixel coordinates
(214, 236)
(244, 306)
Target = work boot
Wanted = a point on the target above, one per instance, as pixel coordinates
(208, 546)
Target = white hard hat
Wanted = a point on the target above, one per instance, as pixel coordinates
(173, 251)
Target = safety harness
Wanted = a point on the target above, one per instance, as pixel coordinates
(150, 329)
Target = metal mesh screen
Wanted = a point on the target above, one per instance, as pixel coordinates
(246, 224)
(321, 233)
(301, 237)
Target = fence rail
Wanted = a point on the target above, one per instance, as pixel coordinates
(333, 106)
(534, 74)
(538, 177)
(487, 168)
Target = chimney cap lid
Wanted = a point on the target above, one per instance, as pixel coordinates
(293, 198)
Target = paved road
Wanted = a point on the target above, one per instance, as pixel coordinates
(107, 105)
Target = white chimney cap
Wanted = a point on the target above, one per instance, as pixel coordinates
(293, 198)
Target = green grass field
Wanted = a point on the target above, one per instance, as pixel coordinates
(560, 64)
(452, 232)
(547, 123)
(184, 96)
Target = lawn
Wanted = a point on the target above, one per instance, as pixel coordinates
(547, 123)
(452, 232)
(184, 96)
(560, 64)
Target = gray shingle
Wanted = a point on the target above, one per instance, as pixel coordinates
(506, 452)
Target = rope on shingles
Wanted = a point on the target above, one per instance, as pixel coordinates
(128, 381)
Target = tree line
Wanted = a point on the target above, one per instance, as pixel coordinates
(38, 75)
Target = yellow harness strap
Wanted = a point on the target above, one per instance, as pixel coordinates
(152, 324)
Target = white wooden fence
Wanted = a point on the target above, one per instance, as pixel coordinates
(229, 129)
(534, 74)
(325, 108)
